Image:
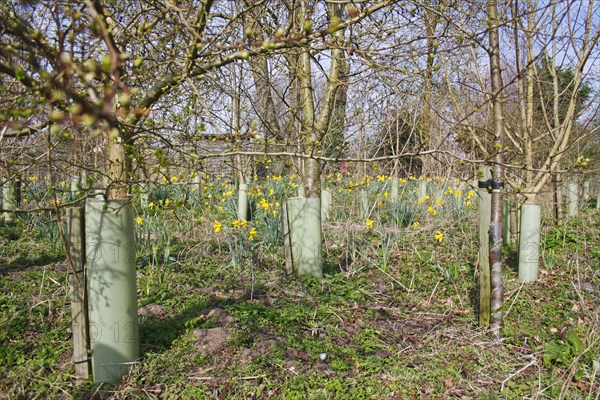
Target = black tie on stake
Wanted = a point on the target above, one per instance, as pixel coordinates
(490, 185)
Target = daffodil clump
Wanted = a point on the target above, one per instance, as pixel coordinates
(241, 238)
(470, 195)
(214, 204)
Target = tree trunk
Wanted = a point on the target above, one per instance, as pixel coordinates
(431, 22)
(119, 166)
(497, 282)
(333, 142)
(558, 199)
(312, 172)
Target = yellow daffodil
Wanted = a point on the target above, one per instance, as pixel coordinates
(369, 223)
(139, 220)
(174, 179)
(253, 233)
(151, 205)
(416, 224)
(217, 226)
(386, 194)
(244, 223)
(167, 201)
(264, 204)
(440, 202)
(421, 201)
(457, 193)
(236, 223)
(439, 236)
(471, 194)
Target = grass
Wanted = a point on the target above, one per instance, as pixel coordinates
(394, 317)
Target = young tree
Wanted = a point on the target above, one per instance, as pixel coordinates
(554, 48)
(495, 233)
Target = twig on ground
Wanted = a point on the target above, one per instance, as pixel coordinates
(531, 363)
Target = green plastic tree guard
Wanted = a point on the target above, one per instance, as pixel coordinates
(84, 180)
(529, 242)
(394, 193)
(242, 211)
(363, 203)
(75, 184)
(9, 201)
(301, 191)
(422, 190)
(506, 221)
(112, 300)
(304, 222)
(144, 196)
(573, 195)
(586, 189)
(326, 200)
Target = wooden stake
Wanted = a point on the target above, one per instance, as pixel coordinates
(77, 283)
(484, 204)
(287, 245)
